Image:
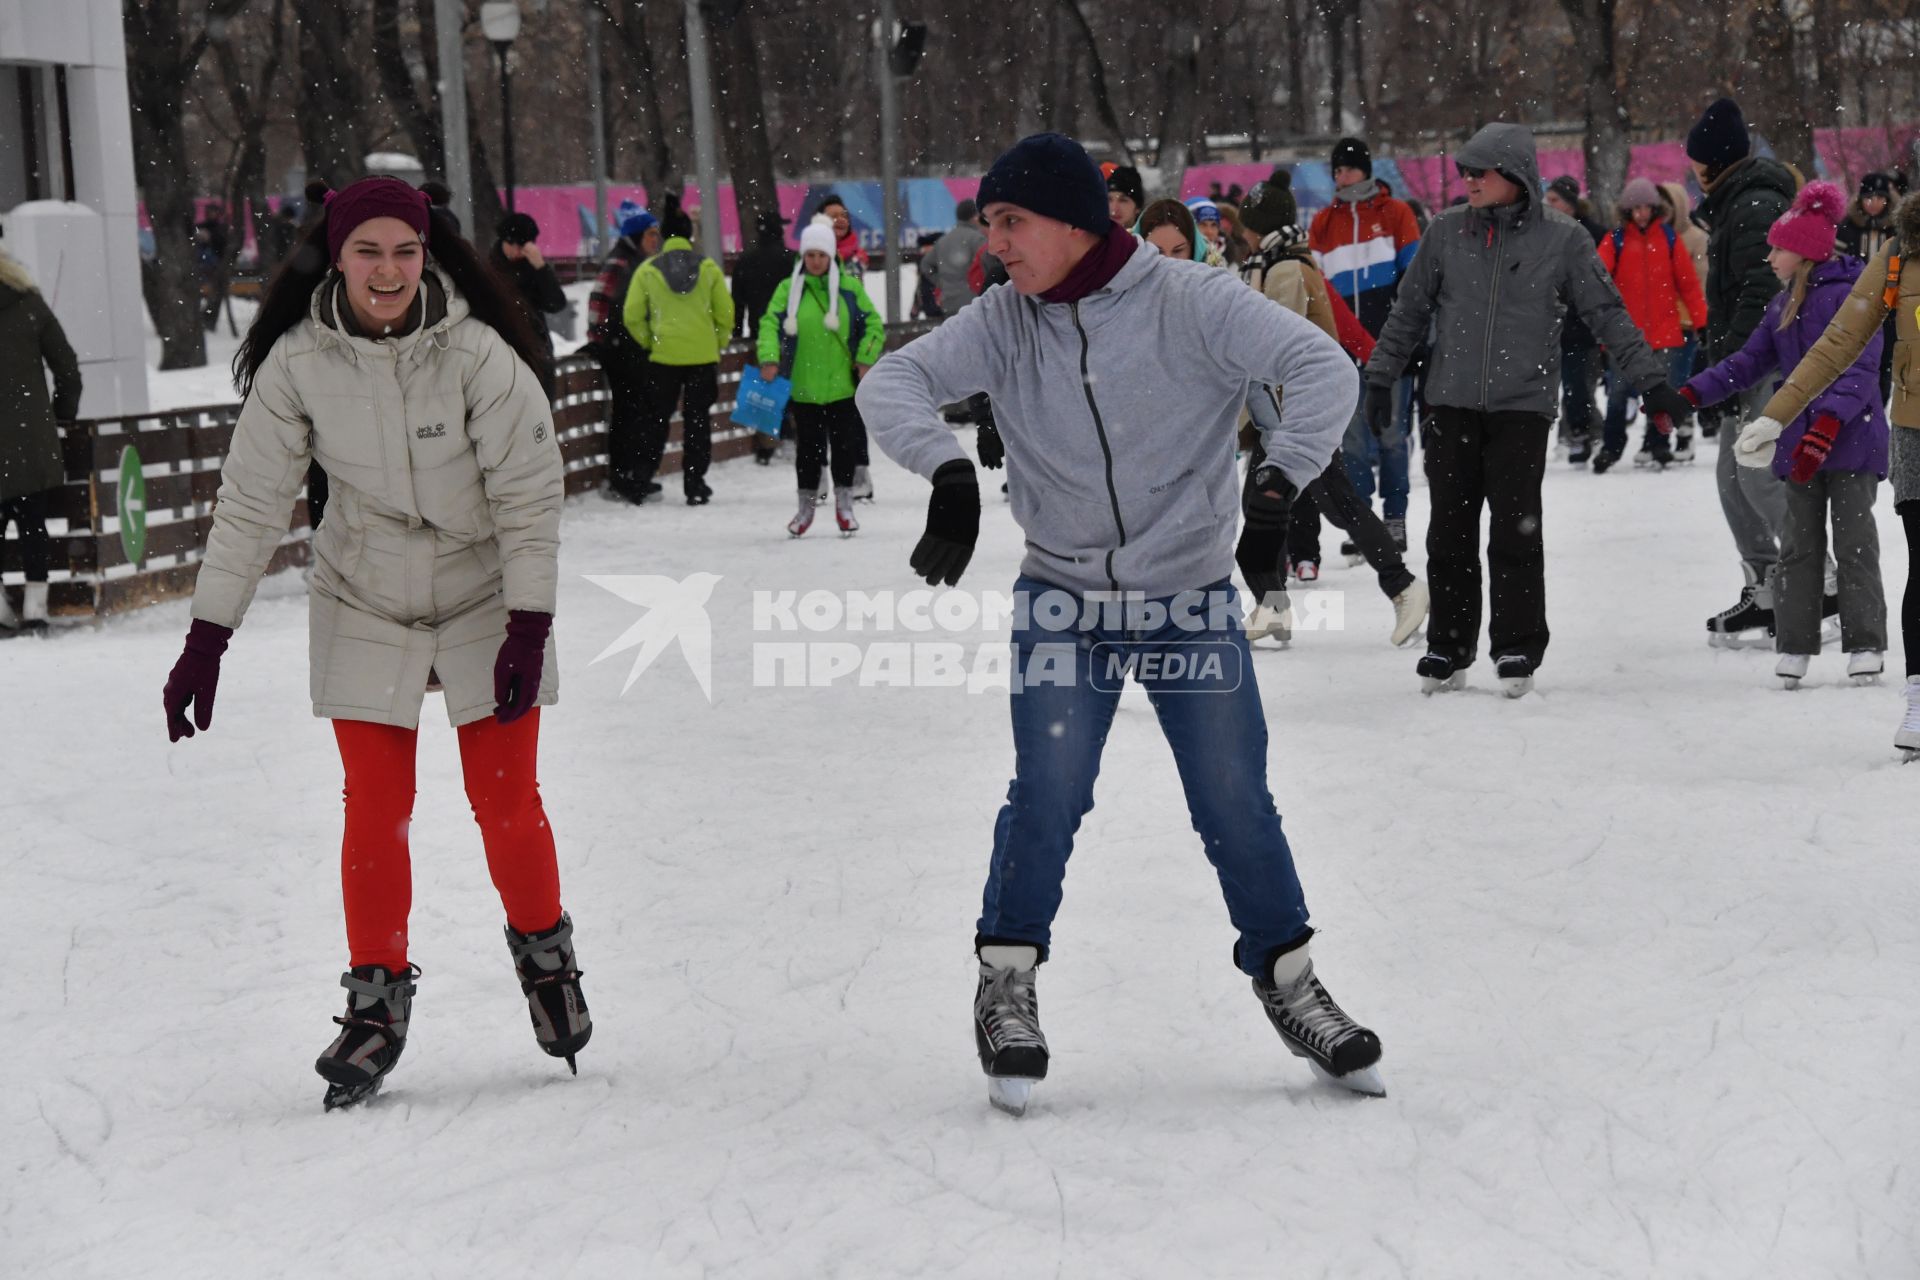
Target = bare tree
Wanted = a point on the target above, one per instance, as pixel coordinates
(1604, 109)
(743, 113)
(1097, 73)
(331, 106)
(247, 90)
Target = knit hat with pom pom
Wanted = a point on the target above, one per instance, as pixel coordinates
(1807, 228)
(818, 237)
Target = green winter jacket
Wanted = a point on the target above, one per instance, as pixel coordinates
(678, 306)
(819, 360)
(31, 342)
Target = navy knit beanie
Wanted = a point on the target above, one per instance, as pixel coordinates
(1351, 153)
(1720, 139)
(1052, 176)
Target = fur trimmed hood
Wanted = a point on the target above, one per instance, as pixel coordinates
(14, 276)
(1907, 223)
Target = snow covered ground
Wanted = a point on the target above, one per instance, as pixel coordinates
(1641, 949)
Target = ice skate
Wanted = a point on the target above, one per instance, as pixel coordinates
(1006, 1025)
(862, 485)
(821, 494)
(550, 980)
(1397, 530)
(1516, 674)
(1438, 676)
(698, 492)
(1579, 450)
(1409, 612)
(32, 618)
(1644, 458)
(1683, 446)
(1312, 1026)
(1271, 621)
(1792, 669)
(843, 512)
(803, 518)
(1865, 665)
(1746, 622)
(372, 1033)
(9, 620)
(1307, 570)
(1604, 459)
(1906, 738)
(1350, 553)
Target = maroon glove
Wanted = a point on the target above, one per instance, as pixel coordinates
(1813, 448)
(194, 678)
(516, 671)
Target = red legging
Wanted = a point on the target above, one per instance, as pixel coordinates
(376, 876)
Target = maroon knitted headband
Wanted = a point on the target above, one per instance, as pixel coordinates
(372, 198)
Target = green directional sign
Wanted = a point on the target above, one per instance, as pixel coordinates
(133, 506)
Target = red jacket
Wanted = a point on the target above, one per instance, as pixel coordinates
(1655, 273)
(1353, 335)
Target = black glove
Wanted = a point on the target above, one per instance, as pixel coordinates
(1263, 543)
(992, 452)
(1664, 399)
(1269, 497)
(953, 525)
(1380, 407)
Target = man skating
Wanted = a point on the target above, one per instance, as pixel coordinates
(1117, 376)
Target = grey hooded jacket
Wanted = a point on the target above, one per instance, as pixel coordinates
(1119, 414)
(1497, 283)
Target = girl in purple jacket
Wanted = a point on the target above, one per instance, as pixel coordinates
(1833, 457)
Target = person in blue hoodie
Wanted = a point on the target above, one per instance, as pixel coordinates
(1117, 377)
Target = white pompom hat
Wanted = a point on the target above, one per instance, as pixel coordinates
(818, 235)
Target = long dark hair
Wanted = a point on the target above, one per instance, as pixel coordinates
(290, 294)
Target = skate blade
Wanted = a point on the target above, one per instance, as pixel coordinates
(1790, 683)
(1366, 1081)
(1752, 638)
(1430, 686)
(1862, 681)
(1517, 686)
(1908, 754)
(349, 1095)
(1009, 1094)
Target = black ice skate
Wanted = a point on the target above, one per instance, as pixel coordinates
(1604, 459)
(1738, 626)
(1006, 1025)
(372, 1034)
(550, 980)
(1437, 674)
(1516, 674)
(1340, 1050)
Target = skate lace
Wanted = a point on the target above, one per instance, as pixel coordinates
(1739, 607)
(1009, 1008)
(1911, 722)
(1311, 1013)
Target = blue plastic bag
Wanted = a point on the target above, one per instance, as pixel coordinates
(760, 404)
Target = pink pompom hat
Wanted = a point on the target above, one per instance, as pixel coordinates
(1807, 227)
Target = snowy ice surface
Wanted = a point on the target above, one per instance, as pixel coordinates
(1641, 948)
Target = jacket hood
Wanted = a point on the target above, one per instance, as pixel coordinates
(443, 307)
(679, 264)
(1752, 174)
(15, 283)
(1859, 217)
(1508, 148)
(1839, 269)
(1907, 222)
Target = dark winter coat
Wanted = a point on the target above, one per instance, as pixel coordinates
(539, 290)
(1742, 207)
(1495, 283)
(1853, 397)
(605, 329)
(948, 263)
(31, 342)
(1575, 336)
(761, 270)
(1862, 237)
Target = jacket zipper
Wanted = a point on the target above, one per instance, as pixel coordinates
(1493, 310)
(1106, 449)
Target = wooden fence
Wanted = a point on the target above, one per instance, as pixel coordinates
(169, 464)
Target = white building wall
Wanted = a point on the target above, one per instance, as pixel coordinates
(85, 254)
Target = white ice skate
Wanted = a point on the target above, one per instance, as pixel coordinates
(802, 518)
(1907, 737)
(825, 491)
(1792, 669)
(1275, 624)
(843, 513)
(1409, 612)
(1865, 665)
(862, 485)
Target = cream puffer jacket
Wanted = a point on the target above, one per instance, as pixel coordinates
(444, 512)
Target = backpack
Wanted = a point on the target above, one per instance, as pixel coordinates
(1619, 237)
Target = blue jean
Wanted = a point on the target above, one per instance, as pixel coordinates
(1066, 690)
(1362, 453)
(1679, 369)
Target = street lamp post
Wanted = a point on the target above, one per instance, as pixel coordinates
(500, 22)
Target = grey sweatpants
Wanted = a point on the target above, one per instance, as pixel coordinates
(1753, 499)
(1846, 497)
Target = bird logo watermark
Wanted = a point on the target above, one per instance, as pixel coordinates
(673, 611)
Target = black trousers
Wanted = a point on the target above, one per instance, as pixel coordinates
(630, 426)
(1910, 600)
(316, 495)
(28, 514)
(1495, 461)
(699, 384)
(823, 430)
(1333, 494)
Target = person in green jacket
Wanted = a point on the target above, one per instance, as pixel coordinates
(820, 330)
(679, 309)
(31, 342)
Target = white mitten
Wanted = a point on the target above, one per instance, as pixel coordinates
(1754, 448)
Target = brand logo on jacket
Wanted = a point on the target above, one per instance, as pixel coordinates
(433, 432)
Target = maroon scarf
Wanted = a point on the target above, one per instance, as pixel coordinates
(1098, 268)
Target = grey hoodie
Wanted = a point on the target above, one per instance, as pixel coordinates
(1119, 414)
(1497, 284)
